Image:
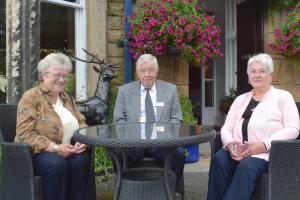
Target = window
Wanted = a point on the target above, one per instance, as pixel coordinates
(63, 25)
(209, 89)
(209, 94)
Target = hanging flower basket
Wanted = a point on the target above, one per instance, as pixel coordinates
(287, 37)
(185, 26)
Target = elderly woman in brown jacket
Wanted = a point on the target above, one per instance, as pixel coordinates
(46, 120)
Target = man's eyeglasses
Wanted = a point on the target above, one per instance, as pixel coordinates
(59, 76)
(150, 71)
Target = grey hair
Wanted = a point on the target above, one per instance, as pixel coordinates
(147, 58)
(262, 58)
(54, 59)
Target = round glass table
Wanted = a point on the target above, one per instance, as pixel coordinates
(136, 183)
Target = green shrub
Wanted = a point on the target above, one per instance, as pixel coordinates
(187, 110)
(103, 163)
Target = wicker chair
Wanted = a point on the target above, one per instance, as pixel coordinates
(283, 179)
(17, 179)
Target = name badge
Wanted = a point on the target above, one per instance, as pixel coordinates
(160, 103)
(160, 128)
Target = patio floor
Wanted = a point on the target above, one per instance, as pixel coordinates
(195, 179)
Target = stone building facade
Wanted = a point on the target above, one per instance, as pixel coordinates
(105, 26)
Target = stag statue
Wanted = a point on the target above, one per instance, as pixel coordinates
(96, 107)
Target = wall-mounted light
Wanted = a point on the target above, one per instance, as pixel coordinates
(122, 43)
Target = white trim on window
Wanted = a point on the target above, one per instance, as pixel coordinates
(80, 42)
(230, 45)
(78, 4)
(210, 112)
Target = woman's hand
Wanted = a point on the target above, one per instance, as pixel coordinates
(254, 148)
(80, 147)
(232, 148)
(66, 150)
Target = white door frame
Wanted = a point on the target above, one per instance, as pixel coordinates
(230, 45)
(210, 112)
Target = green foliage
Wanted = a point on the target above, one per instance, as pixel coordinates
(284, 4)
(102, 161)
(227, 101)
(187, 110)
(113, 98)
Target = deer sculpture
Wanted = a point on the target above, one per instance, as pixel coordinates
(96, 107)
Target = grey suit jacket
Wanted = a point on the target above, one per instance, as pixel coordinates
(128, 103)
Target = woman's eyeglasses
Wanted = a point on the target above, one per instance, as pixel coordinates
(59, 76)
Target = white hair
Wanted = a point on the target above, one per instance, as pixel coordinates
(262, 58)
(147, 58)
(54, 59)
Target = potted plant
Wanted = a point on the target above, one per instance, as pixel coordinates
(192, 152)
(185, 25)
(287, 36)
(227, 100)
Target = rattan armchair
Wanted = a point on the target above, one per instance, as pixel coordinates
(17, 179)
(283, 179)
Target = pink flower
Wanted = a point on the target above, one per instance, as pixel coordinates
(285, 38)
(157, 24)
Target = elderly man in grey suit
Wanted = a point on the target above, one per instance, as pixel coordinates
(131, 107)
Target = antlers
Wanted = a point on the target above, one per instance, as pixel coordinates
(94, 60)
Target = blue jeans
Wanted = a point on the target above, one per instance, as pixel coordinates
(232, 180)
(62, 178)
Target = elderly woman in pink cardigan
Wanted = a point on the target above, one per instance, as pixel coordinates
(254, 120)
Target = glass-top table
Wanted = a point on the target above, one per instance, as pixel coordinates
(143, 135)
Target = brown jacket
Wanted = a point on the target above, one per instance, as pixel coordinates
(37, 121)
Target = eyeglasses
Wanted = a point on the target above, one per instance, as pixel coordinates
(59, 76)
(150, 71)
(258, 72)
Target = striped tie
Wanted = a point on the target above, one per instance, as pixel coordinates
(150, 116)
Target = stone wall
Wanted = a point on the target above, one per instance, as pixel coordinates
(96, 37)
(172, 68)
(115, 31)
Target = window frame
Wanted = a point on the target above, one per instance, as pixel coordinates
(80, 42)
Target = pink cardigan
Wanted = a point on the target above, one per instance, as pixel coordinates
(274, 118)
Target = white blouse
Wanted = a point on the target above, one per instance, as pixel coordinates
(69, 121)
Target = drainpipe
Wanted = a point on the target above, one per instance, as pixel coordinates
(127, 55)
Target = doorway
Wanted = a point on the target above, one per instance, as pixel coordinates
(195, 91)
(249, 38)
